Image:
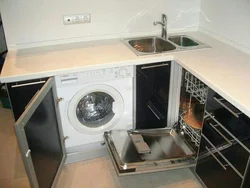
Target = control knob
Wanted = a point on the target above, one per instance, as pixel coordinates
(122, 72)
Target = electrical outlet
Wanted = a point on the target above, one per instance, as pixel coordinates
(76, 19)
(67, 20)
(86, 18)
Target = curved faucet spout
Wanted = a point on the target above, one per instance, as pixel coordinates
(163, 23)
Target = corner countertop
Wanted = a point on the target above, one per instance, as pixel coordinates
(222, 67)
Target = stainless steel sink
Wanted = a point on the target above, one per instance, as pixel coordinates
(153, 45)
(182, 40)
(149, 45)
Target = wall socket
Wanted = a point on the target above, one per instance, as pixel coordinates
(76, 19)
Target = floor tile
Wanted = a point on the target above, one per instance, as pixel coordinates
(7, 133)
(6, 166)
(67, 175)
(21, 183)
(187, 184)
(101, 173)
(8, 145)
(6, 183)
(19, 171)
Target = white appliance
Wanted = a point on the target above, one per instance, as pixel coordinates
(93, 102)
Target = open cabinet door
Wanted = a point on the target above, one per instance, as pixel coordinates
(40, 138)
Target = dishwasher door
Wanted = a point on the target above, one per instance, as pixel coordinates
(167, 150)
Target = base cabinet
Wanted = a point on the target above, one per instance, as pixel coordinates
(224, 152)
(214, 173)
(152, 93)
(21, 93)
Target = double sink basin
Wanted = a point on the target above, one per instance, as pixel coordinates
(153, 45)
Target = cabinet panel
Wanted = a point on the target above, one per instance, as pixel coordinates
(152, 93)
(246, 182)
(20, 93)
(40, 138)
(234, 152)
(226, 133)
(214, 171)
(230, 117)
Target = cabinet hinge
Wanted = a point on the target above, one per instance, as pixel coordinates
(65, 138)
(28, 153)
(59, 100)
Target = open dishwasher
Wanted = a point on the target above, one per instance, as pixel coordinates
(175, 146)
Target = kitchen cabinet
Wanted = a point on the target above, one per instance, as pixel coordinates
(20, 93)
(152, 93)
(40, 139)
(225, 142)
(222, 146)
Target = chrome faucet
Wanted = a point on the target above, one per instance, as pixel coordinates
(163, 23)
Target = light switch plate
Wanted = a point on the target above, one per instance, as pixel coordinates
(76, 19)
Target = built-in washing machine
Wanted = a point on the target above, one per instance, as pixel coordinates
(93, 102)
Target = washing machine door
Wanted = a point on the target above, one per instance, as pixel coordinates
(95, 108)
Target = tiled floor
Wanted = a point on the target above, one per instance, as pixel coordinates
(95, 173)
(12, 172)
(99, 173)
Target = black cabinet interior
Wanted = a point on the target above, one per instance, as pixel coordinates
(152, 91)
(20, 93)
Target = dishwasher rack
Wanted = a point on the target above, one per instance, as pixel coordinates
(197, 90)
(194, 134)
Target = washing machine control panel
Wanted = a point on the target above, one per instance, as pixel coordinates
(93, 76)
(122, 72)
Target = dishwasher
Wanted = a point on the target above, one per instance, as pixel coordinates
(172, 147)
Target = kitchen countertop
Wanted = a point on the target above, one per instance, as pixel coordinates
(222, 67)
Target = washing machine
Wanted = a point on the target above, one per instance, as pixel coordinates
(95, 101)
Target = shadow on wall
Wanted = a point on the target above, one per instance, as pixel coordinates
(3, 47)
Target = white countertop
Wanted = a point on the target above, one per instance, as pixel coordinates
(222, 67)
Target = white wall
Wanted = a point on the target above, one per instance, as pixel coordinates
(229, 19)
(36, 21)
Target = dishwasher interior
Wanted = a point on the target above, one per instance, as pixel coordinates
(156, 149)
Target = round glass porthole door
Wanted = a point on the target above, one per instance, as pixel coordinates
(95, 109)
